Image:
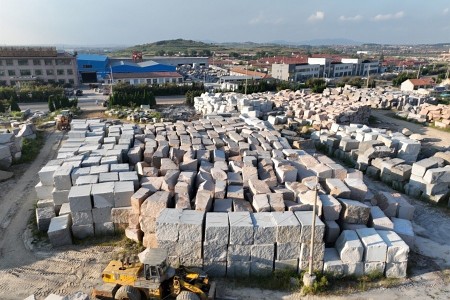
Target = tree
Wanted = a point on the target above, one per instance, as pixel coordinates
(151, 99)
(51, 105)
(403, 77)
(13, 104)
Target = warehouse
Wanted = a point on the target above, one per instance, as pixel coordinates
(92, 67)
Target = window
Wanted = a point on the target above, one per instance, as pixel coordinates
(155, 80)
(60, 72)
(22, 62)
(71, 81)
(50, 72)
(87, 66)
(11, 73)
(2, 73)
(1, 62)
(36, 62)
(61, 81)
(12, 82)
(69, 72)
(38, 72)
(51, 81)
(9, 62)
(174, 80)
(25, 73)
(48, 62)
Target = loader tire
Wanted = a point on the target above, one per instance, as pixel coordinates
(127, 292)
(186, 295)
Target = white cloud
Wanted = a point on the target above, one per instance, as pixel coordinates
(350, 19)
(262, 19)
(445, 11)
(317, 16)
(386, 17)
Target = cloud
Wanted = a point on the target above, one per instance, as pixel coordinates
(262, 19)
(445, 11)
(350, 19)
(387, 17)
(317, 16)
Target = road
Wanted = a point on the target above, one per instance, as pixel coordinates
(87, 102)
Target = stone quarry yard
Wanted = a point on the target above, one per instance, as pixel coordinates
(30, 267)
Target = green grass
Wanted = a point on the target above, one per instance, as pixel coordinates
(31, 148)
(116, 240)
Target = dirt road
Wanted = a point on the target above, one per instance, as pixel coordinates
(438, 139)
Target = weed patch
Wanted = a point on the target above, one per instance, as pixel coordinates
(31, 148)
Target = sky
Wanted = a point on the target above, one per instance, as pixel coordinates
(113, 22)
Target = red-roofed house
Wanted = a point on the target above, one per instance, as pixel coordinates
(415, 84)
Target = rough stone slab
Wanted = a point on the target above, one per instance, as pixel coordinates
(288, 265)
(60, 197)
(303, 265)
(46, 174)
(123, 190)
(191, 226)
(215, 251)
(374, 267)
(167, 224)
(130, 176)
(396, 270)
(238, 269)
(43, 191)
(354, 211)
(235, 192)
(263, 253)
(405, 230)
(240, 205)
(59, 231)
(83, 231)
(241, 228)
(188, 249)
(86, 179)
(138, 198)
(276, 202)
(332, 263)
(336, 188)
(152, 183)
(223, 205)
(82, 217)
(61, 177)
(80, 198)
(378, 219)
(375, 248)
(405, 210)
(215, 268)
(134, 234)
(65, 210)
(216, 228)
(154, 204)
(203, 201)
(358, 189)
(332, 232)
(265, 229)
(288, 227)
(44, 216)
(238, 252)
(349, 247)
(305, 220)
(331, 208)
(397, 249)
(258, 187)
(289, 250)
(103, 194)
(387, 202)
(120, 215)
(261, 203)
(104, 229)
(420, 167)
(318, 251)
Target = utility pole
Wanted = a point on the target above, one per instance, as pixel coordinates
(309, 278)
(368, 76)
(418, 73)
(246, 77)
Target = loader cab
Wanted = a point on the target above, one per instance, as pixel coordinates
(156, 268)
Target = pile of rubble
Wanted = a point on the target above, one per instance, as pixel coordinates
(11, 143)
(235, 179)
(438, 115)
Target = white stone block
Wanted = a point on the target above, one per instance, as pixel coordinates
(241, 228)
(375, 248)
(349, 247)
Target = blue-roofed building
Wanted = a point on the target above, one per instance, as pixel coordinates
(92, 67)
(125, 66)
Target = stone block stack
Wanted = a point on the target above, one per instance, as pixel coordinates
(11, 143)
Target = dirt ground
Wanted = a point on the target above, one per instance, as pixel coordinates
(30, 267)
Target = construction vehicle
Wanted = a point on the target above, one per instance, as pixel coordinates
(63, 120)
(150, 277)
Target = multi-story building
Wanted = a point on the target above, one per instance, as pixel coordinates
(324, 67)
(25, 64)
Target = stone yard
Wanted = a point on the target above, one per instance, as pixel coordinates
(229, 194)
